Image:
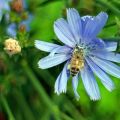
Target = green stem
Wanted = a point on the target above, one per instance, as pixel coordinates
(65, 117)
(113, 39)
(76, 114)
(47, 2)
(40, 89)
(23, 104)
(6, 107)
(109, 5)
(110, 25)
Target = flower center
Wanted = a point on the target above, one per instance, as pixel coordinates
(83, 49)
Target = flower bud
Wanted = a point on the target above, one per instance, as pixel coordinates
(17, 5)
(22, 28)
(12, 46)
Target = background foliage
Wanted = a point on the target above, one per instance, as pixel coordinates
(27, 92)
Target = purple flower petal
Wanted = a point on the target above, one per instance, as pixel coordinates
(61, 82)
(75, 85)
(110, 46)
(51, 61)
(105, 79)
(84, 21)
(11, 30)
(45, 46)
(63, 32)
(97, 43)
(94, 26)
(74, 21)
(61, 49)
(90, 83)
(107, 66)
(106, 55)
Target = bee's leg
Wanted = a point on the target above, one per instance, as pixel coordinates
(68, 67)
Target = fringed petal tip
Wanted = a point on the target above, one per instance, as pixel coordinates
(75, 85)
(59, 92)
(61, 82)
(110, 90)
(50, 61)
(45, 46)
(77, 97)
(63, 32)
(39, 65)
(103, 14)
(71, 9)
(112, 87)
(36, 43)
(41, 45)
(105, 79)
(95, 98)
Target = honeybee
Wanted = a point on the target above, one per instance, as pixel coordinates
(77, 61)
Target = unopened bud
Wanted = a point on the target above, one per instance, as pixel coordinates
(12, 46)
(17, 5)
(22, 28)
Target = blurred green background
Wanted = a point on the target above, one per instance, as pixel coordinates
(27, 92)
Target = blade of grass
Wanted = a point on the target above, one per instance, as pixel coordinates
(109, 6)
(40, 89)
(18, 95)
(6, 107)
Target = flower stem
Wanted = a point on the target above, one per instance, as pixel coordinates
(23, 105)
(6, 107)
(110, 25)
(110, 6)
(40, 90)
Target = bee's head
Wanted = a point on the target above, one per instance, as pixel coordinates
(78, 48)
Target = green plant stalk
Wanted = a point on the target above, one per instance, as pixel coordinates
(45, 75)
(110, 25)
(6, 107)
(76, 114)
(40, 90)
(108, 5)
(65, 117)
(113, 39)
(23, 105)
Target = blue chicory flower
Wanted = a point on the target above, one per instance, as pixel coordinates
(98, 54)
(11, 30)
(4, 6)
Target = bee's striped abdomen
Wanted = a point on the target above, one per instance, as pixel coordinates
(74, 71)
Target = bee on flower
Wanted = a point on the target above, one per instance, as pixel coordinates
(84, 53)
